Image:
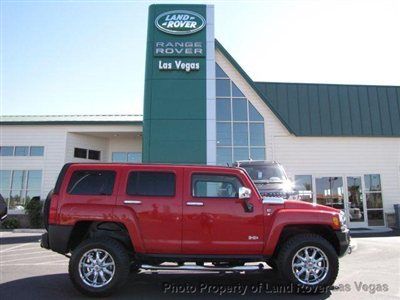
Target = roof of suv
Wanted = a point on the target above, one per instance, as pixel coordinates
(153, 165)
(255, 162)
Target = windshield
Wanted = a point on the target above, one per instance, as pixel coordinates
(267, 174)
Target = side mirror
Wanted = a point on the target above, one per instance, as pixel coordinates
(244, 193)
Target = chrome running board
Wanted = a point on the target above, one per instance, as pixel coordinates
(202, 268)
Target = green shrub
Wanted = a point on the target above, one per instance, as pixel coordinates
(34, 210)
(10, 223)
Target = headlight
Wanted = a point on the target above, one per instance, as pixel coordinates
(343, 220)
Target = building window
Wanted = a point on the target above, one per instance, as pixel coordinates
(373, 195)
(303, 185)
(134, 157)
(94, 154)
(19, 186)
(87, 154)
(156, 184)
(36, 151)
(21, 151)
(6, 151)
(240, 127)
(80, 153)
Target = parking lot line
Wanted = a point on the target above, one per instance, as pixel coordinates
(28, 258)
(37, 264)
(14, 247)
(21, 249)
(6, 255)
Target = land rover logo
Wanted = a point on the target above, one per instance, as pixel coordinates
(180, 22)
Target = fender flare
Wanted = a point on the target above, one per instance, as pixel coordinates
(290, 217)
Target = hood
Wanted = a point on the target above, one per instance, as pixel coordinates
(292, 204)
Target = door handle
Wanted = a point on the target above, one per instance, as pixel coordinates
(133, 202)
(194, 203)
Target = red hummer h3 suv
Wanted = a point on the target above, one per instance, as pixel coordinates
(115, 218)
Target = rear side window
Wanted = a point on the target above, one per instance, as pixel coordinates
(151, 184)
(215, 186)
(90, 182)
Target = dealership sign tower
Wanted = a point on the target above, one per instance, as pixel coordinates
(179, 98)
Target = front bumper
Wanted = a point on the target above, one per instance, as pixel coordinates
(343, 237)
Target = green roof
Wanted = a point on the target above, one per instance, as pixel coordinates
(330, 109)
(105, 119)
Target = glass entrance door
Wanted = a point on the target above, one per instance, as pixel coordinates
(329, 191)
(355, 202)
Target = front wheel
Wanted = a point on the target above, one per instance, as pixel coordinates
(99, 266)
(308, 260)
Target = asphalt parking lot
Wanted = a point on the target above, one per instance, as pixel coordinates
(29, 272)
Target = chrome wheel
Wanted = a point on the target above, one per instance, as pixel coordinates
(310, 265)
(96, 268)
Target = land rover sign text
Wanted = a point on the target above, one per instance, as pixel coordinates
(180, 22)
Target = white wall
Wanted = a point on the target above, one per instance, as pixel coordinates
(119, 144)
(53, 138)
(85, 141)
(59, 142)
(330, 156)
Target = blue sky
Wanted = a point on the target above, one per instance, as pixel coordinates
(88, 57)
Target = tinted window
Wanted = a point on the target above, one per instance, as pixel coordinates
(215, 186)
(80, 153)
(91, 183)
(219, 72)
(223, 88)
(94, 154)
(236, 92)
(239, 109)
(151, 184)
(265, 173)
(223, 108)
(224, 134)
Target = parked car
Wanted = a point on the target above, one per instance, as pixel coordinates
(270, 178)
(3, 208)
(114, 218)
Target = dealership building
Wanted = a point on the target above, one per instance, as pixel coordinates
(339, 143)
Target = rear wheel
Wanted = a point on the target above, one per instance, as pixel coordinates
(308, 260)
(99, 266)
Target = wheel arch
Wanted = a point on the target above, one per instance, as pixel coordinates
(85, 229)
(291, 230)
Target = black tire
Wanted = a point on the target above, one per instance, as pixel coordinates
(298, 242)
(118, 254)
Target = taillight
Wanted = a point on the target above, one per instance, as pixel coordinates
(53, 210)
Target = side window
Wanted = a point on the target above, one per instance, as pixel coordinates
(215, 186)
(90, 182)
(151, 184)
